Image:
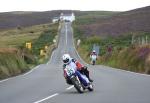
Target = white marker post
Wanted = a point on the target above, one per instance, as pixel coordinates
(78, 42)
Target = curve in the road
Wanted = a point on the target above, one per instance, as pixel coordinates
(46, 84)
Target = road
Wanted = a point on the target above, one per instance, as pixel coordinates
(45, 83)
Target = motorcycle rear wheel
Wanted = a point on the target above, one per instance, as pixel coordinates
(91, 87)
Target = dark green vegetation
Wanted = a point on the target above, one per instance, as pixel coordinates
(45, 39)
(15, 58)
(126, 32)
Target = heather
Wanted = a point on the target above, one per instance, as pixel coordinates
(127, 33)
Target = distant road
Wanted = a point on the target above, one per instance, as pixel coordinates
(45, 83)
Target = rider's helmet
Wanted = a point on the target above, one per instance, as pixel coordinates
(66, 58)
(94, 51)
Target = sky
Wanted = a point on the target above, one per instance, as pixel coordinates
(84, 5)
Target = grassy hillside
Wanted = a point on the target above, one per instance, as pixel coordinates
(45, 39)
(15, 58)
(10, 37)
(136, 21)
(11, 63)
(124, 55)
(90, 17)
(135, 59)
(126, 32)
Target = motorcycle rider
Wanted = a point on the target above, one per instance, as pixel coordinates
(67, 60)
(93, 56)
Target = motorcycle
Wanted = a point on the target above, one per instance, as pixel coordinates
(93, 62)
(94, 58)
(79, 80)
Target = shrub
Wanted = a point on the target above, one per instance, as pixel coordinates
(45, 39)
(11, 64)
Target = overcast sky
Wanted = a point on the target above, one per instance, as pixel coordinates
(46, 5)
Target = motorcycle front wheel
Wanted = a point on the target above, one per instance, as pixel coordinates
(77, 84)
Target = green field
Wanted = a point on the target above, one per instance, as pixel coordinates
(18, 36)
(15, 58)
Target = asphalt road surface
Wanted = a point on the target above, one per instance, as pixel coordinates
(45, 83)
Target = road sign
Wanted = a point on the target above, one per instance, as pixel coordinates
(28, 45)
(46, 47)
(42, 52)
(54, 40)
(78, 42)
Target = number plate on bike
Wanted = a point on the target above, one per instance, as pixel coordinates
(69, 71)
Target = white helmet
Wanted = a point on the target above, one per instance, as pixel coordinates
(94, 51)
(66, 58)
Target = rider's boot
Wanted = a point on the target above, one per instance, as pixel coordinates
(86, 72)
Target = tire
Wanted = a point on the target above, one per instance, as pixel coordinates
(91, 87)
(77, 85)
(93, 62)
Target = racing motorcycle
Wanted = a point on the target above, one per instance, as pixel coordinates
(93, 62)
(79, 80)
(94, 58)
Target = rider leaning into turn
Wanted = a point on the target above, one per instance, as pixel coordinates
(67, 60)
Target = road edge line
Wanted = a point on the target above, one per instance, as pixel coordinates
(30, 71)
(121, 70)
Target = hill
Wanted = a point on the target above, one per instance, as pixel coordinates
(23, 18)
(123, 38)
(135, 21)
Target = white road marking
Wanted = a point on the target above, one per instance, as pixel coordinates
(31, 70)
(69, 87)
(66, 35)
(132, 72)
(51, 96)
(51, 57)
(121, 70)
(47, 98)
(20, 74)
(4, 80)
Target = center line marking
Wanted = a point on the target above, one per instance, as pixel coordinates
(66, 35)
(69, 87)
(47, 98)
